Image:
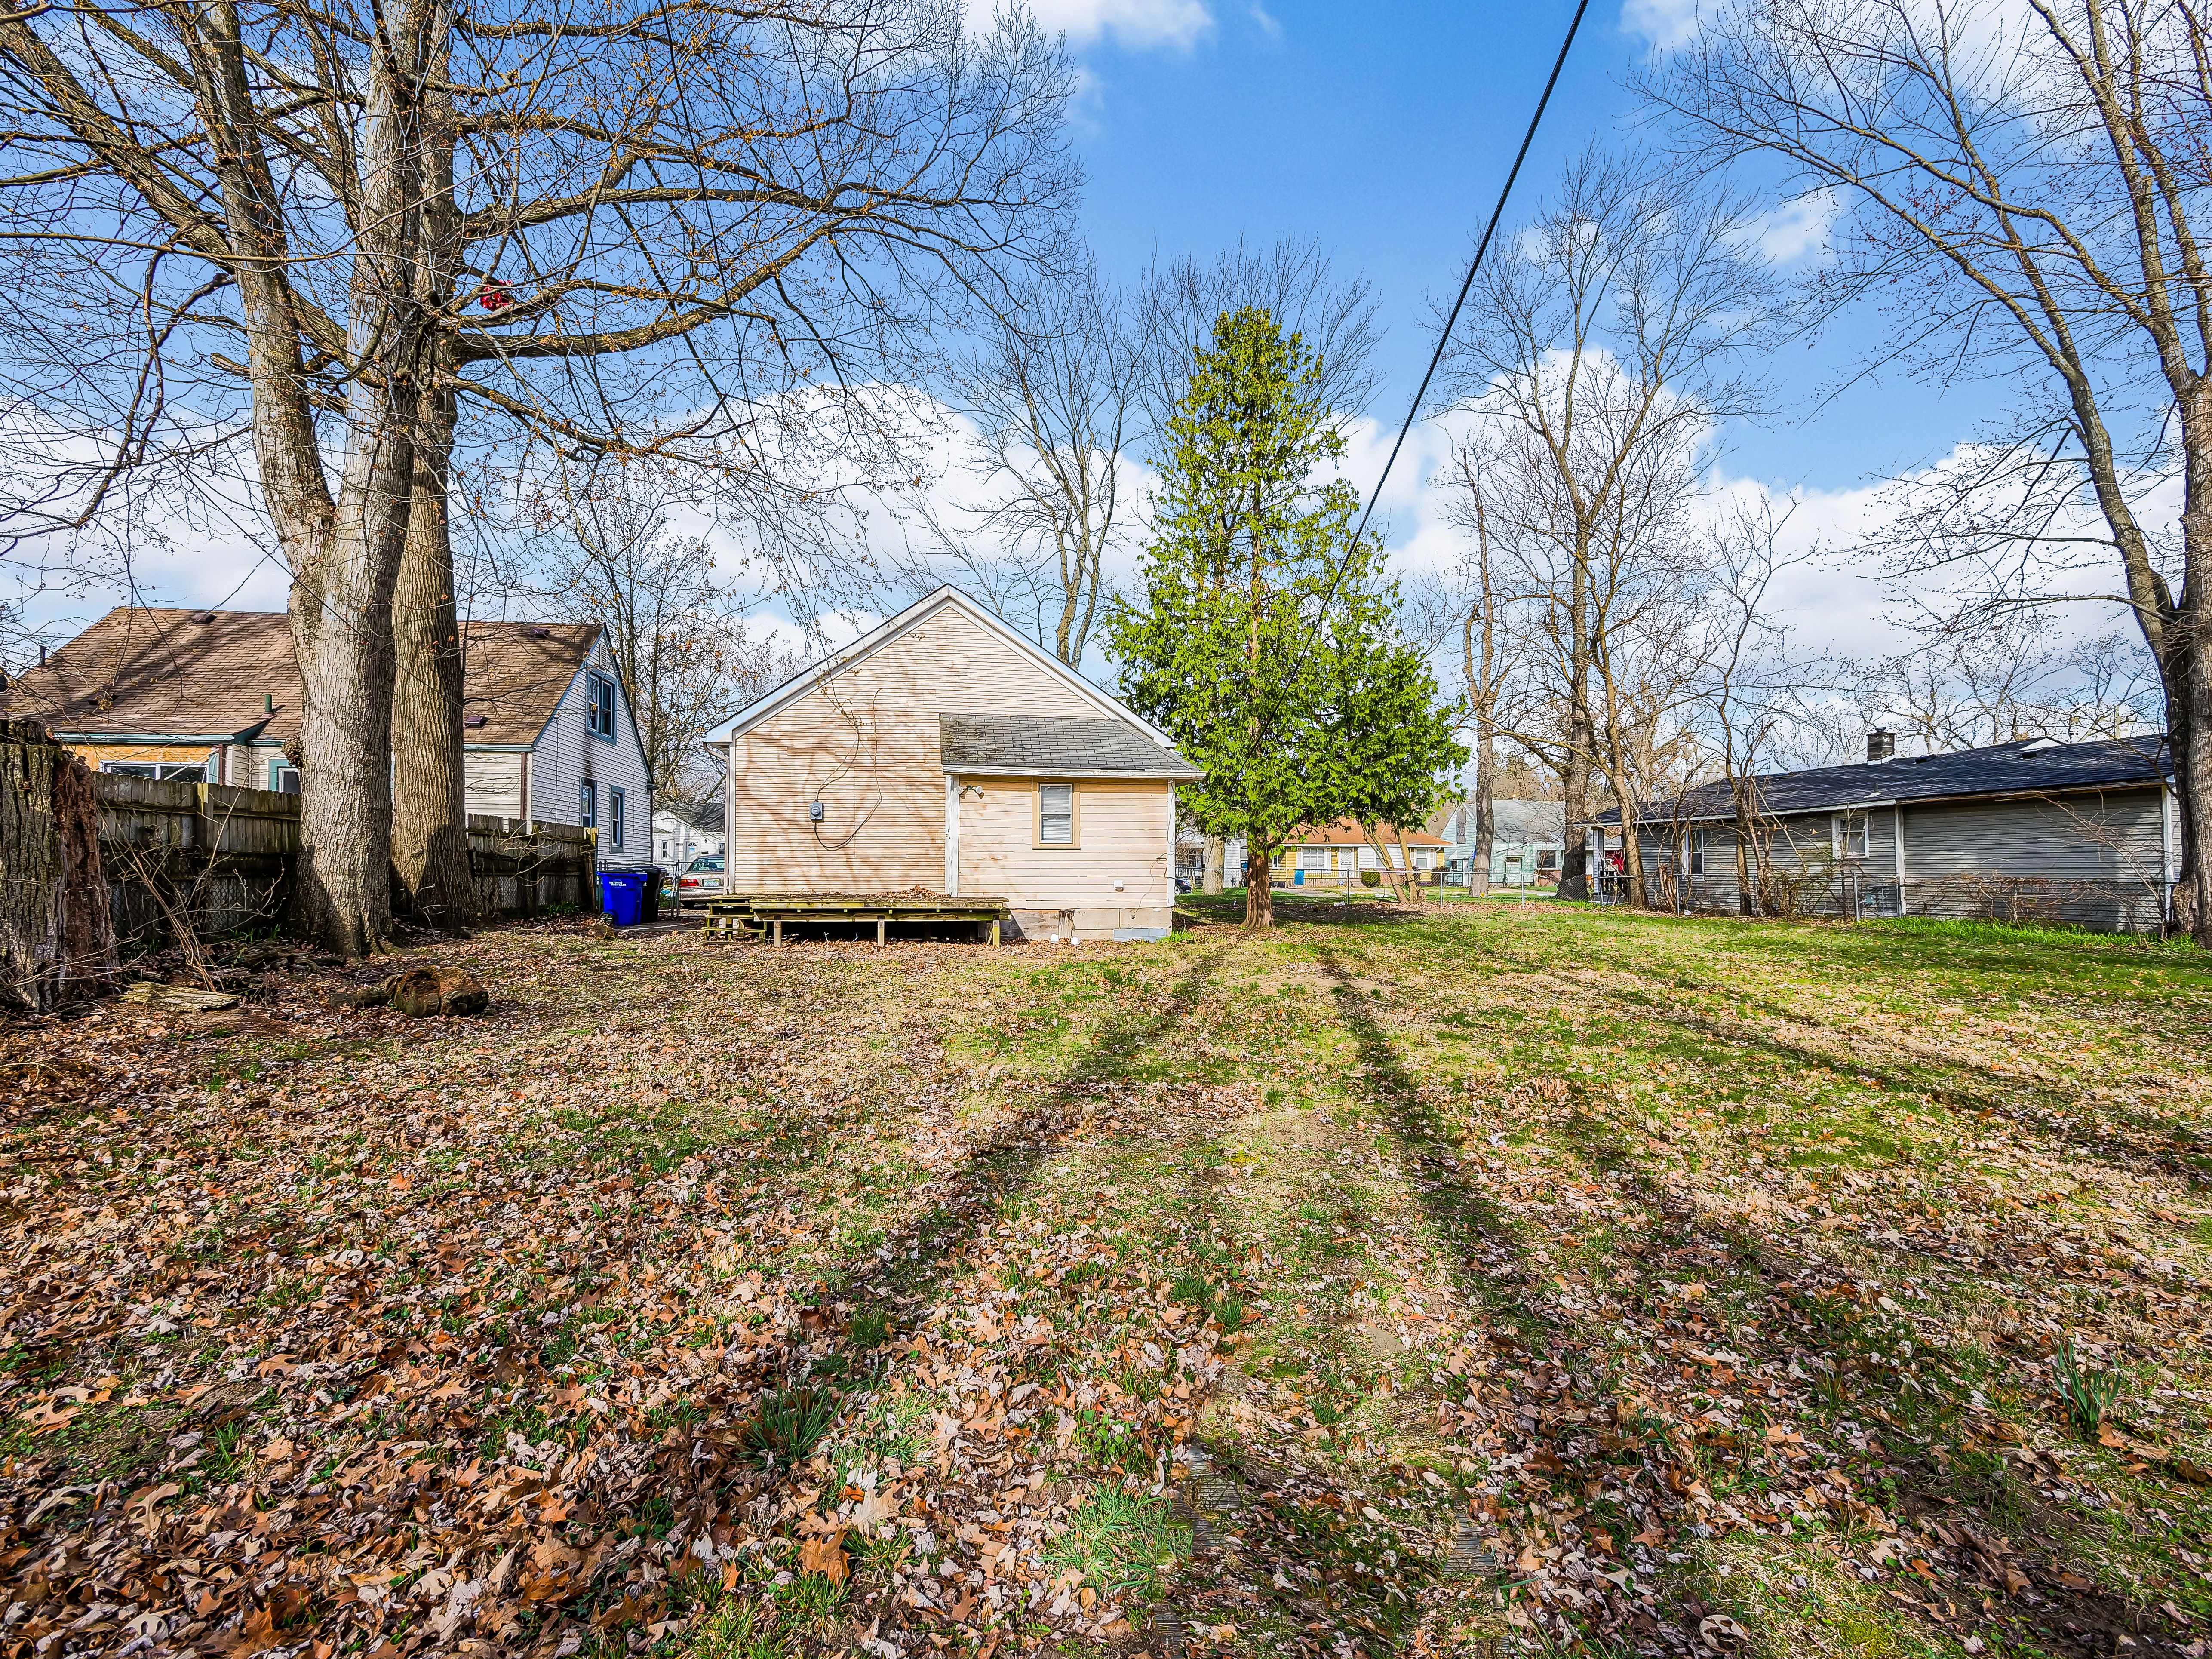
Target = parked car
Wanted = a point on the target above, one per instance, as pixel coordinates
(701, 879)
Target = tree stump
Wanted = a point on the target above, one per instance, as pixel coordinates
(57, 934)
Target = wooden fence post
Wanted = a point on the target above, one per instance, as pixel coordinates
(56, 936)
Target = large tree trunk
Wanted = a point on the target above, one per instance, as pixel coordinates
(429, 808)
(429, 790)
(2189, 727)
(1631, 860)
(1574, 798)
(56, 938)
(1486, 822)
(1747, 898)
(344, 552)
(1259, 889)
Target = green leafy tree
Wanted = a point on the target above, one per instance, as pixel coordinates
(1248, 643)
(1394, 743)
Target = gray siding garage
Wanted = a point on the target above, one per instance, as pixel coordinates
(2029, 831)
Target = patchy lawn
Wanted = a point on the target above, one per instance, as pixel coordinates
(1497, 1279)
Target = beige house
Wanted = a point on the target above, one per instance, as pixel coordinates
(944, 753)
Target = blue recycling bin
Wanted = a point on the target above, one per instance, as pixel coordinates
(621, 896)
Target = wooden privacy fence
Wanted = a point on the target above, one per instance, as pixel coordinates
(522, 869)
(90, 861)
(208, 856)
(220, 859)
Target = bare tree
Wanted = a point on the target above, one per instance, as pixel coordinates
(675, 627)
(1294, 281)
(1053, 392)
(2028, 174)
(347, 240)
(1750, 687)
(1601, 355)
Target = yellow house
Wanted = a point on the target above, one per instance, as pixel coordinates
(942, 753)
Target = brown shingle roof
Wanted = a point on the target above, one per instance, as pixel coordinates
(150, 670)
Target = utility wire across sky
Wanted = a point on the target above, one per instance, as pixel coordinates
(1444, 338)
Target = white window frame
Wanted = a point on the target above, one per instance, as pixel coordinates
(1840, 835)
(616, 800)
(1313, 859)
(1694, 852)
(587, 803)
(1074, 815)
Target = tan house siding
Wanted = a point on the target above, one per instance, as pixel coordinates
(1124, 828)
(866, 742)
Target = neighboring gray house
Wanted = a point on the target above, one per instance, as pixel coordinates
(2032, 831)
(1527, 838)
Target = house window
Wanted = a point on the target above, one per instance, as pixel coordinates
(1693, 852)
(600, 707)
(162, 771)
(1366, 859)
(615, 804)
(587, 805)
(1850, 835)
(284, 779)
(1397, 858)
(1547, 858)
(1313, 858)
(1425, 858)
(1056, 814)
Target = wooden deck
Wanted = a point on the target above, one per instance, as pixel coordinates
(764, 915)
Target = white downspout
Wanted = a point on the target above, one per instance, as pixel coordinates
(951, 836)
(1899, 810)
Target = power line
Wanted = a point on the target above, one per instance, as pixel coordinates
(1465, 287)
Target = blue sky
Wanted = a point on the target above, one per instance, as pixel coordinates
(1385, 130)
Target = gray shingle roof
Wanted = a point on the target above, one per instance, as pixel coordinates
(1048, 744)
(2029, 767)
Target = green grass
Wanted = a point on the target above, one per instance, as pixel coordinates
(1119, 1541)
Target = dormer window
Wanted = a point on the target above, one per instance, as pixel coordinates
(599, 706)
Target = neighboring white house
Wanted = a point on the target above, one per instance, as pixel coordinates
(551, 735)
(683, 830)
(214, 696)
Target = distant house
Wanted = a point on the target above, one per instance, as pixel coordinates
(686, 829)
(1528, 838)
(214, 696)
(1318, 855)
(2030, 830)
(943, 752)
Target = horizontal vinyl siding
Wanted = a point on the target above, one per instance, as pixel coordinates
(493, 783)
(1124, 829)
(2087, 838)
(866, 743)
(567, 753)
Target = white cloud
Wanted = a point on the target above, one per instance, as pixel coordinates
(1666, 24)
(1789, 232)
(1132, 23)
(1270, 25)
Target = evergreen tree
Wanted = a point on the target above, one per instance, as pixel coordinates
(1249, 644)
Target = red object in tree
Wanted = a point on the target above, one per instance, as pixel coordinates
(494, 295)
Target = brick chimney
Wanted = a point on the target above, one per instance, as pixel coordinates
(1881, 745)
